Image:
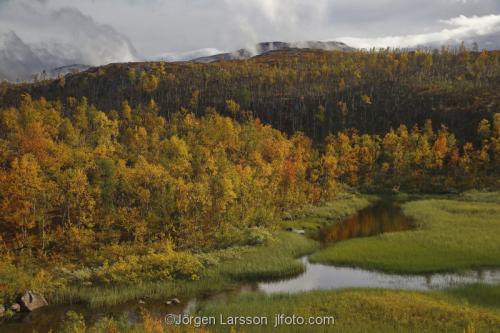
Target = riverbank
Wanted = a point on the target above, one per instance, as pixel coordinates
(354, 310)
(224, 270)
(314, 218)
(272, 257)
(450, 236)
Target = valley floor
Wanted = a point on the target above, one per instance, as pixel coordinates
(451, 234)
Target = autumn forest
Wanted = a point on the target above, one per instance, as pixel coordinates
(141, 171)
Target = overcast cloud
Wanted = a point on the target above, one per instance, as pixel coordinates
(42, 34)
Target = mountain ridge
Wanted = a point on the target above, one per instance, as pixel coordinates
(266, 47)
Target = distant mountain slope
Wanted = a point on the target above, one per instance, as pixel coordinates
(266, 47)
(308, 90)
(70, 69)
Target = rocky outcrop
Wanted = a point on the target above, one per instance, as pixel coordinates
(15, 307)
(31, 301)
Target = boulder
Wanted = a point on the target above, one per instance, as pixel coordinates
(173, 301)
(31, 301)
(15, 307)
(300, 232)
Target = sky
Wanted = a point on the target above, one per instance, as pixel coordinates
(41, 34)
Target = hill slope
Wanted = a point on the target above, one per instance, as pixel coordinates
(314, 91)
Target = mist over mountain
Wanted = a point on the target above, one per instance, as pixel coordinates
(22, 62)
(262, 48)
(70, 38)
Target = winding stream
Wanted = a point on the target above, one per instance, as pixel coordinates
(323, 277)
(382, 217)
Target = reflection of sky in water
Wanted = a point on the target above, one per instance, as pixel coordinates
(318, 276)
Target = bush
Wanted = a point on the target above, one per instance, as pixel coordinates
(14, 280)
(164, 265)
(258, 236)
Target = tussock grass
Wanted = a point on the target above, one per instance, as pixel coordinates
(451, 235)
(272, 261)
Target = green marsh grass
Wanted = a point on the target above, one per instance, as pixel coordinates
(477, 294)
(451, 235)
(359, 310)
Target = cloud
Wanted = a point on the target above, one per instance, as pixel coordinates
(484, 30)
(183, 56)
(255, 19)
(35, 37)
(285, 12)
(96, 32)
(17, 60)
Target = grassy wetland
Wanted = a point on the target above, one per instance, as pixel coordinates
(365, 311)
(223, 270)
(450, 235)
(354, 310)
(451, 228)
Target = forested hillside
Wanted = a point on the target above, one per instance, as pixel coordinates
(317, 92)
(140, 159)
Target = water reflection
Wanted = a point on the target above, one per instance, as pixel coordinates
(323, 277)
(382, 217)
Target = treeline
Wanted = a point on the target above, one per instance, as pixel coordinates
(316, 92)
(417, 159)
(73, 178)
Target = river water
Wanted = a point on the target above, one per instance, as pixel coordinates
(381, 217)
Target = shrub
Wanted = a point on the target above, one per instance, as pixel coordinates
(258, 236)
(163, 265)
